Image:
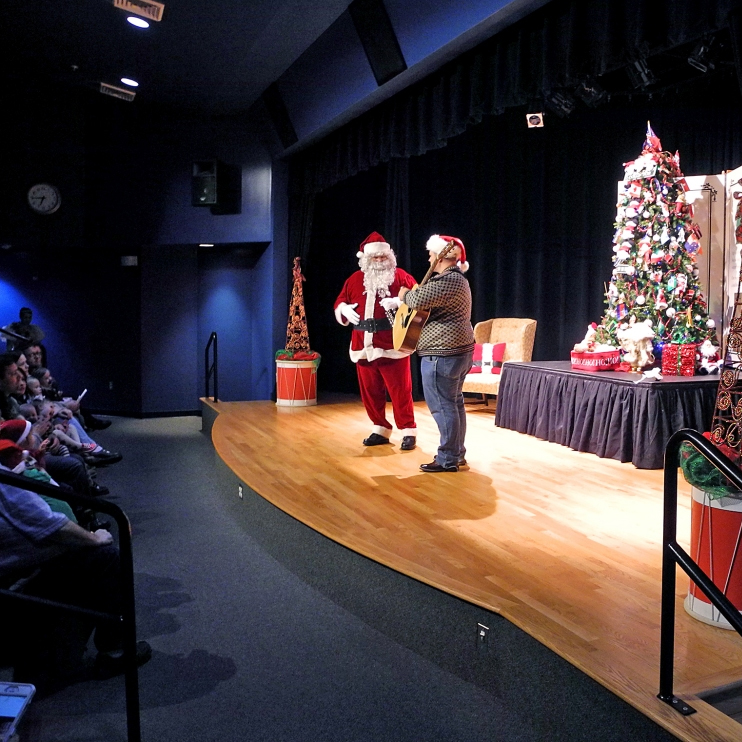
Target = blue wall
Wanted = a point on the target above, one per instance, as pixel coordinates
(135, 335)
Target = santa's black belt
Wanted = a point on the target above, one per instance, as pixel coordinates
(373, 325)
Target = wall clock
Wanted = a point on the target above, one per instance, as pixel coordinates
(44, 198)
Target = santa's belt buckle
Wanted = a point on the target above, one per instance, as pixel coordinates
(373, 325)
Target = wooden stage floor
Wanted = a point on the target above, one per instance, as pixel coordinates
(565, 545)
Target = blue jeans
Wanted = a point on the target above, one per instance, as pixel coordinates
(84, 437)
(443, 377)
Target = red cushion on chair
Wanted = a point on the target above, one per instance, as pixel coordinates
(487, 355)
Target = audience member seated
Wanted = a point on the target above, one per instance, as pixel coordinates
(10, 378)
(15, 459)
(18, 454)
(69, 432)
(65, 563)
(65, 467)
(33, 389)
(34, 354)
(51, 391)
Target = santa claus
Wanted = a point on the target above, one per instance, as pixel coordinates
(368, 302)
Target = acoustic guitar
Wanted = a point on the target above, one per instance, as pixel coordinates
(409, 323)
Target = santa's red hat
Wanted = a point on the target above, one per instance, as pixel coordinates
(438, 241)
(374, 244)
(15, 430)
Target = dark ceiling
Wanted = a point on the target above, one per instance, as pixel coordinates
(213, 57)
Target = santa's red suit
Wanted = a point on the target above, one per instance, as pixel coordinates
(380, 368)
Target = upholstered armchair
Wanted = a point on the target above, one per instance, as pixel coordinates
(517, 334)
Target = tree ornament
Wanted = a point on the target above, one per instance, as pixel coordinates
(641, 300)
(670, 312)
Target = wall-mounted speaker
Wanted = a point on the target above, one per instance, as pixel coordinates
(218, 185)
(204, 185)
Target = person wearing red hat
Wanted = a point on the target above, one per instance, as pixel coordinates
(446, 347)
(366, 302)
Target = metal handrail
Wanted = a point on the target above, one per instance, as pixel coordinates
(13, 335)
(126, 561)
(673, 554)
(213, 369)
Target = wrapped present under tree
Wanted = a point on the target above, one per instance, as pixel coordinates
(679, 359)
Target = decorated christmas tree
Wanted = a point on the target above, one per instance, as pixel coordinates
(655, 272)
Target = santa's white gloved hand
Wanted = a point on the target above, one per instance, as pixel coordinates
(390, 303)
(348, 311)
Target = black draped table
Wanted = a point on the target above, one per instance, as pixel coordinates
(603, 412)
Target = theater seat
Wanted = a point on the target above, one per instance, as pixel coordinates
(518, 335)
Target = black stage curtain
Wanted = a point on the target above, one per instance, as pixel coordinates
(534, 207)
(557, 46)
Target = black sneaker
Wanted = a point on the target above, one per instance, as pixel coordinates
(109, 664)
(102, 458)
(96, 423)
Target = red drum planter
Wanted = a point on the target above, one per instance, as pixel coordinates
(716, 546)
(296, 383)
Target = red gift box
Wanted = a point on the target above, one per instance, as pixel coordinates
(603, 361)
(679, 359)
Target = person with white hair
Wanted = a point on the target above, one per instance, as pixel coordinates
(366, 302)
(446, 347)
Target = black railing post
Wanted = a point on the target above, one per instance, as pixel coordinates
(669, 532)
(213, 369)
(216, 368)
(129, 630)
(673, 554)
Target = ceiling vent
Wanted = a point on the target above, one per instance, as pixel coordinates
(107, 89)
(148, 9)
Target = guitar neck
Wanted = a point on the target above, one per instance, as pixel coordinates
(443, 253)
(430, 272)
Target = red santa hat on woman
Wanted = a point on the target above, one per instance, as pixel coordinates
(374, 244)
(438, 241)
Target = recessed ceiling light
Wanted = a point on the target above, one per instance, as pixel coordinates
(138, 22)
(131, 83)
(206, 244)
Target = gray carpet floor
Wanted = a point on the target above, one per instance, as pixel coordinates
(265, 630)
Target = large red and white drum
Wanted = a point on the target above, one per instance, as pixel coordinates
(296, 383)
(715, 545)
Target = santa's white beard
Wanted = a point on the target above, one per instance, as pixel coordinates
(378, 276)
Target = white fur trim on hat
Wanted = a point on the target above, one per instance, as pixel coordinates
(24, 434)
(435, 244)
(374, 248)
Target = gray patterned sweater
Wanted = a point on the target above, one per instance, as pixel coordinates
(448, 331)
